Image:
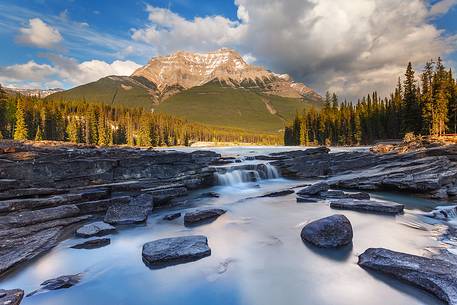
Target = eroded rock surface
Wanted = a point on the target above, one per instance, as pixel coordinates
(329, 232)
(202, 216)
(61, 282)
(93, 244)
(11, 297)
(98, 228)
(368, 206)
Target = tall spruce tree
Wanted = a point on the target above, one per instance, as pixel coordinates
(20, 131)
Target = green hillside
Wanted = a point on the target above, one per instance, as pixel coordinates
(112, 90)
(216, 105)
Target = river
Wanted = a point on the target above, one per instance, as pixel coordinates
(257, 255)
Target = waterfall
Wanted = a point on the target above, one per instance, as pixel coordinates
(245, 174)
(445, 212)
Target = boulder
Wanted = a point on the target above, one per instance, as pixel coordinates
(98, 228)
(92, 244)
(314, 189)
(175, 250)
(196, 217)
(173, 216)
(329, 232)
(368, 206)
(436, 276)
(11, 297)
(126, 214)
(61, 282)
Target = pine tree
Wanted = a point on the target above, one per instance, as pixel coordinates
(411, 110)
(39, 134)
(20, 132)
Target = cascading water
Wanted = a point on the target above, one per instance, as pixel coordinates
(245, 174)
(448, 213)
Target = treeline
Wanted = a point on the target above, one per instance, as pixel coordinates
(427, 106)
(32, 118)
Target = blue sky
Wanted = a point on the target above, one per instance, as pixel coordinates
(347, 46)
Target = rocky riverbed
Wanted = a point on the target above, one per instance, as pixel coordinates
(50, 194)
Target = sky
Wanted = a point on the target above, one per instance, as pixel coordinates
(350, 47)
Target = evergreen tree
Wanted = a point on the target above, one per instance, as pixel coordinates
(20, 132)
(39, 134)
(411, 109)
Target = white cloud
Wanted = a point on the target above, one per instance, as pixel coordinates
(39, 34)
(350, 46)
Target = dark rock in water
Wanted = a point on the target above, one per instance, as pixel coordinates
(279, 193)
(333, 194)
(144, 200)
(126, 214)
(93, 244)
(98, 228)
(11, 297)
(61, 282)
(329, 232)
(368, 206)
(360, 196)
(209, 195)
(433, 275)
(100, 206)
(200, 216)
(172, 216)
(175, 250)
(307, 199)
(314, 189)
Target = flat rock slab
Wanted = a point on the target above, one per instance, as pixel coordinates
(93, 244)
(11, 297)
(433, 275)
(61, 282)
(307, 199)
(173, 216)
(126, 214)
(98, 228)
(176, 250)
(329, 232)
(197, 217)
(314, 189)
(368, 206)
(279, 193)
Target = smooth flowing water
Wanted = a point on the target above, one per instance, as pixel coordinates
(257, 256)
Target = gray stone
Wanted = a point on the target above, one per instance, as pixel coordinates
(173, 216)
(329, 232)
(314, 189)
(175, 250)
(126, 214)
(11, 297)
(307, 199)
(93, 244)
(24, 218)
(200, 216)
(61, 282)
(368, 206)
(98, 228)
(279, 193)
(436, 276)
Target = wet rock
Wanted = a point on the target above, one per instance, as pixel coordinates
(61, 282)
(200, 216)
(360, 196)
(209, 195)
(279, 193)
(333, 194)
(93, 244)
(164, 193)
(329, 232)
(314, 189)
(175, 250)
(11, 297)
(126, 214)
(444, 213)
(436, 276)
(30, 192)
(101, 206)
(441, 194)
(368, 206)
(173, 216)
(24, 218)
(307, 199)
(144, 200)
(98, 228)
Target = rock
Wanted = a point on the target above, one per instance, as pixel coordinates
(360, 196)
(314, 189)
(144, 200)
(382, 148)
(173, 216)
(101, 206)
(11, 297)
(330, 232)
(93, 244)
(452, 191)
(368, 206)
(126, 214)
(24, 218)
(175, 250)
(333, 194)
(279, 193)
(209, 195)
(444, 212)
(436, 276)
(163, 194)
(61, 282)
(98, 228)
(306, 199)
(200, 216)
(441, 194)
(30, 192)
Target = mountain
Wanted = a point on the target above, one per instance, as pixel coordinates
(32, 92)
(216, 88)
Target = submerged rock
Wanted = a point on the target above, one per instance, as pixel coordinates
(175, 250)
(200, 216)
(209, 195)
(307, 199)
(173, 216)
(11, 297)
(329, 232)
(93, 244)
(126, 214)
(368, 206)
(98, 228)
(279, 193)
(433, 275)
(61, 282)
(314, 189)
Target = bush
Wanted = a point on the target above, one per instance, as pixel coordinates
(409, 137)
